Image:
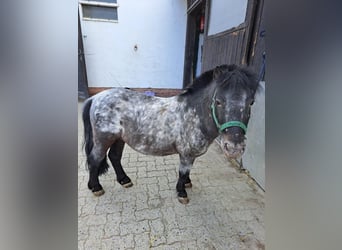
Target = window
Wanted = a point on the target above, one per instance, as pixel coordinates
(100, 10)
(225, 15)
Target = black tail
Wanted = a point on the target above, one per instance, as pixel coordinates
(88, 143)
(88, 133)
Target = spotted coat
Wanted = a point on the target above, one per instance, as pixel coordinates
(151, 125)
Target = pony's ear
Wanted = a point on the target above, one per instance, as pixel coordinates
(219, 70)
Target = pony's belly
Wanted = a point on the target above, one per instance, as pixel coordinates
(152, 150)
(150, 145)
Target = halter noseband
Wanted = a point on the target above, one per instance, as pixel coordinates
(225, 125)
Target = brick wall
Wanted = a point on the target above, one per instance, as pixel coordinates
(158, 92)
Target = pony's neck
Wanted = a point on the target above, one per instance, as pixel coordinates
(201, 101)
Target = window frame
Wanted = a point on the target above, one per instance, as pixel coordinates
(242, 25)
(98, 4)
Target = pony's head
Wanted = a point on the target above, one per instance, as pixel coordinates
(231, 103)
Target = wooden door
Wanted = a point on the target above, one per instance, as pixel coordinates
(225, 44)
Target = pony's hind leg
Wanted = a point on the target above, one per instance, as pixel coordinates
(98, 165)
(115, 154)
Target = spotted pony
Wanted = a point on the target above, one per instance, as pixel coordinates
(217, 102)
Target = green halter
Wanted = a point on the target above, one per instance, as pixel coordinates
(225, 125)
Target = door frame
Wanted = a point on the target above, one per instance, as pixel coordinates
(83, 92)
(194, 13)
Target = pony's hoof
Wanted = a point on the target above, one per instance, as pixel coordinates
(188, 185)
(125, 182)
(127, 185)
(99, 193)
(183, 200)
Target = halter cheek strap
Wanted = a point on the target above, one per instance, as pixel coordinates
(225, 125)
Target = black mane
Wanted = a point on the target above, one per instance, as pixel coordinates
(199, 83)
(224, 74)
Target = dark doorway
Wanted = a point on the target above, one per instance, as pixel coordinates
(82, 72)
(194, 41)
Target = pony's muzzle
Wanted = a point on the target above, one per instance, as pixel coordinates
(233, 144)
(234, 150)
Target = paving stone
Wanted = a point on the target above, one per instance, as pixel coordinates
(141, 201)
(81, 244)
(149, 180)
(96, 220)
(156, 173)
(178, 235)
(136, 164)
(132, 159)
(163, 194)
(142, 241)
(142, 172)
(108, 208)
(179, 208)
(112, 227)
(157, 227)
(153, 190)
(148, 214)
(169, 215)
(157, 240)
(96, 233)
(137, 227)
(83, 233)
(151, 166)
(157, 233)
(93, 245)
(106, 200)
(154, 202)
(174, 246)
(241, 215)
(190, 245)
(122, 197)
(163, 183)
(190, 221)
(118, 242)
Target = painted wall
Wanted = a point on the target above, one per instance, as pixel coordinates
(254, 157)
(156, 27)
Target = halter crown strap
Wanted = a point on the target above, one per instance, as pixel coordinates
(225, 125)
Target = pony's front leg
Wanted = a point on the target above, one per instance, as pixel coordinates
(184, 179)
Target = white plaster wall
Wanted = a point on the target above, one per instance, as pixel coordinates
(158, 29)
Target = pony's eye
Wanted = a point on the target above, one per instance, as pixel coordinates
(218, 103)
(252, 102)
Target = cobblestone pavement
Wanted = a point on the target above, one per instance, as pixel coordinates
(226, 208)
